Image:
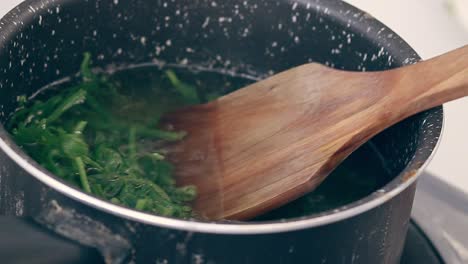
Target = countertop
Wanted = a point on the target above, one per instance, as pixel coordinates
(431, 27)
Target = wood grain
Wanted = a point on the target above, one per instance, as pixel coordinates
(271, 142)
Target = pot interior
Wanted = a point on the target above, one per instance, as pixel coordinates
(44, 43)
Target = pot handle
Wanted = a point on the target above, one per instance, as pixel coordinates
(24, 241)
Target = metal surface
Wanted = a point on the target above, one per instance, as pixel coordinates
(442, 212)
(30, 243)
(42, 41)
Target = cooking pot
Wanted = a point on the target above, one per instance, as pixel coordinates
(43, 41)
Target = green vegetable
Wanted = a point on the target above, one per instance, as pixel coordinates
(83, 176)
(93, 135)
(187, 91)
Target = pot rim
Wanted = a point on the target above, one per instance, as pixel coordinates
(406, 178)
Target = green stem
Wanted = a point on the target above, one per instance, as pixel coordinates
(83, 176)
(80, 127)
(161, 134)
(173, 78)
(85, 67)
(157, 156)
(74, 99)
(89, 161)
(187, 91)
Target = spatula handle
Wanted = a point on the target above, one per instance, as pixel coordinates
(432, 82)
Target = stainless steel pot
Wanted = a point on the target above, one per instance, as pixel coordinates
(42, 41)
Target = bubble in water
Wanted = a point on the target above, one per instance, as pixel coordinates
(143, 41)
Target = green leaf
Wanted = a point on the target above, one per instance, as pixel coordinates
(109, 158)
(33, 135)
(115, 200)
(141, 203)
(186, 193)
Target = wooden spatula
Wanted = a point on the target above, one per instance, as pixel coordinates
(273, 141)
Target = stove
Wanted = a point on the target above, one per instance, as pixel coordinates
(418, 248)
(438, 230)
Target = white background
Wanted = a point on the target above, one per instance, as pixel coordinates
(431, 27)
